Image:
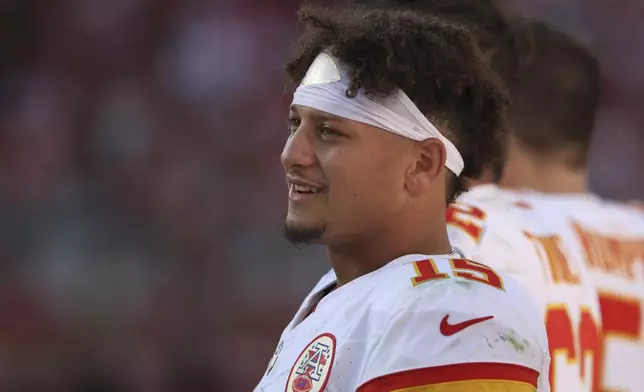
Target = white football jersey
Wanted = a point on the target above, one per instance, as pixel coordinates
(610, 237)
(418, 322)
(511, 234)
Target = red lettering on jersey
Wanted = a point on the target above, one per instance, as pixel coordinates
(464, 217)
(469, 269)
(621, 316)
(621, 320)
(613, 255)
(555, 257)
(563, 337)
(426, 271)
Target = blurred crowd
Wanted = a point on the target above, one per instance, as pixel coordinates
(141, 195)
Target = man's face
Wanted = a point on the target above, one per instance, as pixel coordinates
(345, 178)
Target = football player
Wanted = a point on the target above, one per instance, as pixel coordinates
(393, 108)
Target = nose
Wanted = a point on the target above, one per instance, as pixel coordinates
(299, 149)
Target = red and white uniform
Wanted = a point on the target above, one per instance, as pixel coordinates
(591, 278)
(421, 322)
(610, 237)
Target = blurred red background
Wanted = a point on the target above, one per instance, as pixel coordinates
(141, 195)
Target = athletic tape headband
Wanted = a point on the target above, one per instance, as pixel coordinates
(324, 88)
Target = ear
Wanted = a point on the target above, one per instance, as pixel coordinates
(430, 156)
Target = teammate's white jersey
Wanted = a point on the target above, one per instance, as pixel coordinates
(418, 323)
(610, 237)
(569, 251)
(487, 224)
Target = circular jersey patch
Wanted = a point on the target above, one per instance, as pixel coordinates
(312, 368)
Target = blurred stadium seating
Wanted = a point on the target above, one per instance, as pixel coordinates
(141, 195)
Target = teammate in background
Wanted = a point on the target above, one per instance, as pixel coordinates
(497, 224)
(547, 169)
(588, 247)
(369, 176)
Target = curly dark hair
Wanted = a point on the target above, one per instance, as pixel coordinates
(435, 61)
(503, 34)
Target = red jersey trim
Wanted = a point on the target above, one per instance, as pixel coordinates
(451, 373)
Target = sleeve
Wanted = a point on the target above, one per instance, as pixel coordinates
(464, 341)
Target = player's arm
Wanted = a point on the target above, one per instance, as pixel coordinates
(451, 338)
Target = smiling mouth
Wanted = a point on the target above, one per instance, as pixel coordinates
(299, 193)
(305, 189)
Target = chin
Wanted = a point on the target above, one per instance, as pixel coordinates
(300, 232)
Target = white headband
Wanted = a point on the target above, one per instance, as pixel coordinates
(324, 88)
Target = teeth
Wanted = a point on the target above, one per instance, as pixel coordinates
(305, 189)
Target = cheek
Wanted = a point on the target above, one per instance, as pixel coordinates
(364, 183)
(346, 178)
(386, 184)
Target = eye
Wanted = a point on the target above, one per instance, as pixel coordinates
(326, 132)
(293, 124)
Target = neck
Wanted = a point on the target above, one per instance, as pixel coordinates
(542, 173)
(351, 261)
